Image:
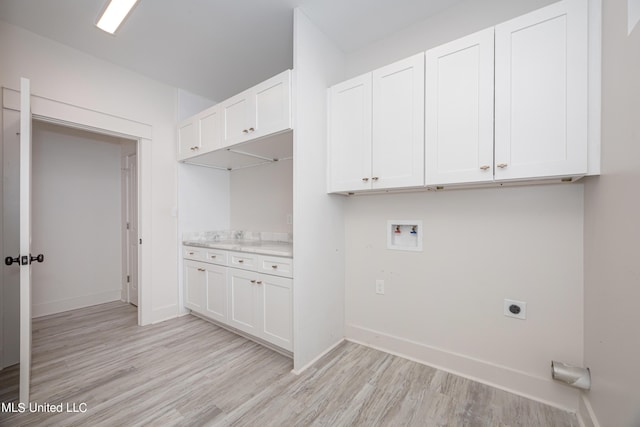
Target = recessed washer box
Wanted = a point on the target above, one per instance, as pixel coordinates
(404, 235)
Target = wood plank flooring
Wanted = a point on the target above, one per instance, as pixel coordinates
(188, 372)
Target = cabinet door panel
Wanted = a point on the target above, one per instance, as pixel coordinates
(541, 93)
(398, 124)
(188, 143)
(272, 102)
(277, 312)
(243, 304)
(210, 132)
(459, 111)
(350, 135)
(216, 292)
(195, 281)
(236, 118)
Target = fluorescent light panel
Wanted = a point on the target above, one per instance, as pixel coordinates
(114, 14)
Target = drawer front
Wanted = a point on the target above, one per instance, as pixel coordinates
(277, 266)
(243, 260)
(217, 256)
(195, 253)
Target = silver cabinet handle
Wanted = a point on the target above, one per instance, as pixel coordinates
(253, 281)
(502, 165)
(245, 131)
(251, 129)
(365, 179)
(259, 282)
(240, 261)
(274, 267)
(485, 167)
(201, 269)
(375, 178)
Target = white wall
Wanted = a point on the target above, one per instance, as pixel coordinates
(318, 225)
(76, 219)
(63, 74)
(262, 197)
(612, 233)
(444, 306)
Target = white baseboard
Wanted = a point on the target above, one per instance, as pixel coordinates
(586, 416)
(318, 357)
(541, 389)
(81, 301)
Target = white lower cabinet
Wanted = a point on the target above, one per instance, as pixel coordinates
(253, 293)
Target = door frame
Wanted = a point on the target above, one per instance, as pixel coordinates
(61, 113)
(125, 195)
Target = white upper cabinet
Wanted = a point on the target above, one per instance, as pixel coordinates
(459, 111)
(350, 135)
(541, 93)
(398, 124)
(376, 129)
(262, 110)
(199, 134)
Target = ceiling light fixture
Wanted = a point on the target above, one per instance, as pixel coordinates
(113, 15)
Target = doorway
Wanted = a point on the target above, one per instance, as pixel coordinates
(77, 221)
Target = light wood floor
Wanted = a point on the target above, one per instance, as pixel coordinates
(188, 372)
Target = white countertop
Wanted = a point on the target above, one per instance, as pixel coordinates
(264, 247)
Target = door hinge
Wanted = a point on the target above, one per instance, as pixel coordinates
(128, 279)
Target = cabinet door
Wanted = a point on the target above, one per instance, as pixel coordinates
(216, 292)
(188, 143)
(398, 124)
(243, 301)
(459, 111)
(541, 93)
(276, 308)
(350, 135)
(272, 103)
(194, 285)
(236, 117)
(209, 127)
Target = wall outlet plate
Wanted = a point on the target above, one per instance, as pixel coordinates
(516, 309)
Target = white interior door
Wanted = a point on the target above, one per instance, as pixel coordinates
(25, 240)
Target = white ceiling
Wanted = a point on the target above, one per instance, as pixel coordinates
(213, 48)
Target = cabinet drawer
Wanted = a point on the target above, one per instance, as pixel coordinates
(278, 266)
(195, 253)
(217, 256)
(243, 260)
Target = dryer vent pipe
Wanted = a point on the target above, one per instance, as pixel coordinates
(573, 375)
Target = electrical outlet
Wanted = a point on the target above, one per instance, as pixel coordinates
(380, 286)
(517, 309)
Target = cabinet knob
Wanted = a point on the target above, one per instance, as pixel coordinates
(191, 253)
(253, 281)
(485, 167)
(194, 148)
(201, 269)
(274, 266)
(240, 261)
(251, 129)
(259, 282)
(365, 179)
(245, 131)
(213, 257)
(375, 178)
(502, 165)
